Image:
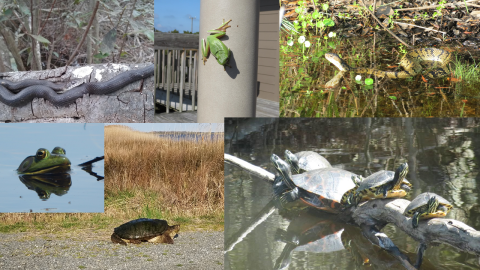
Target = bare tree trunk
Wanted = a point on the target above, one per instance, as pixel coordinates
(12, 47)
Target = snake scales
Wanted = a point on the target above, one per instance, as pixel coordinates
(433, 59)
(44, 89)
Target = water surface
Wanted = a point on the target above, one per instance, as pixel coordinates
(76, 192)
(443, 157)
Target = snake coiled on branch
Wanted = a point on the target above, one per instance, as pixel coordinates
(43, 89)
(414, 62)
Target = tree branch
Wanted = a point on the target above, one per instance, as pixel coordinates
(257, 171)
(436, 230)
(83, 37)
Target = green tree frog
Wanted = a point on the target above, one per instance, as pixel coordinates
(216, 46)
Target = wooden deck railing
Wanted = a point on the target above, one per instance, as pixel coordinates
(176, 72)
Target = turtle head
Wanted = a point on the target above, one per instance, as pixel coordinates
(432, 204)
(284, 169)
(405, 187)
(400, 175)
(292, 160)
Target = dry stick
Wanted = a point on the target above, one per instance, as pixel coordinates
(446, 101)
(34, 56)
(369, 104)
(411, 101)
(126, 31)
(37, 61)
(393, 102)
(405, 110)
(84, 36)
(355, 100)
(252, 169)
(50, 53)
(430, 29)
(25, 31)
(375, 75)
(390, 32)
(48, 16)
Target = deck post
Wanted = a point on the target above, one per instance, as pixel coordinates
(231, 92)
(169, 79)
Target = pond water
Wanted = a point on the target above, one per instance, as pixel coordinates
(443, 156)
(77, 191)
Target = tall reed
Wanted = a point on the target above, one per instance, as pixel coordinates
(180, 176)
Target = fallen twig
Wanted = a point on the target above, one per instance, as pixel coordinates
(430, 29)
(390, 32)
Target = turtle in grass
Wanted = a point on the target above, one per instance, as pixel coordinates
(145, 230)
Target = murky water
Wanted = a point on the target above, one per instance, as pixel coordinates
(77, 191)
(443, 157)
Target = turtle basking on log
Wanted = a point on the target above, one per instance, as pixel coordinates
(145, 230)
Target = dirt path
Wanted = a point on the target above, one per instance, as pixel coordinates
(192, 250)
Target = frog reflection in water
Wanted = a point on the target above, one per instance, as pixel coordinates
(45, 162)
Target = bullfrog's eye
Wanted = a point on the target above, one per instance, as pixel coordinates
(41, 153)
(59, 151)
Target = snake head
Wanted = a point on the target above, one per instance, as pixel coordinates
(337, 61)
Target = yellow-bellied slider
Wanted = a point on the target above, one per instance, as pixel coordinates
(384, 184)
(306, 161)
(427, 205)
(328, 189)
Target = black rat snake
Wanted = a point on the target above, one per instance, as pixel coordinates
(431, 58)
(46, 90)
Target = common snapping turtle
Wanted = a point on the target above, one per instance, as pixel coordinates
(145, 230)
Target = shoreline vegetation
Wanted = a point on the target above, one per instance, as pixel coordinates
(147, 176)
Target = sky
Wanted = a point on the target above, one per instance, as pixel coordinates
(170, 15)
(175, 127)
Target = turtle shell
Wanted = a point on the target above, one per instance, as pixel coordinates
(328, 183)
(419, 204)
(308, 161)
(141, 228)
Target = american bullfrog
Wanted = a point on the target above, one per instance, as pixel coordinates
(45, 162)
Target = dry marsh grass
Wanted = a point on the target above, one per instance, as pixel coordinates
(175, 177)
(146, 176)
